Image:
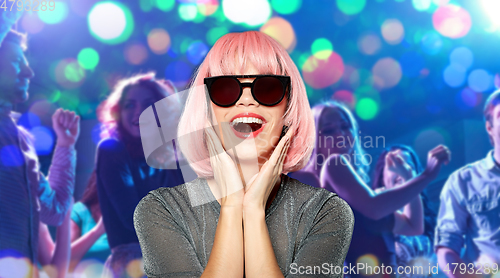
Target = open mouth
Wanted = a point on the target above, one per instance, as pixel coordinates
(245, 127)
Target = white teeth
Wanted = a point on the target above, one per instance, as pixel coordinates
(247, 120)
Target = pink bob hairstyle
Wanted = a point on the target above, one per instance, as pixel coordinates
(269, 57)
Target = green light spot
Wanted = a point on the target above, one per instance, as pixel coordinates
(351, 7)
(421, 5)
(366, 108)
(146, 5)
(56, 16)
(69, 100)
(55, 96)
(187, 12)
(88, 58)
(215, 33)
(286, 6)
(302, 59)
(165, 5)
(74, 73)
(322, 48)
(199, 17)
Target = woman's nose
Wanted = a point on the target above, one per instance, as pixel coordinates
(246, 98)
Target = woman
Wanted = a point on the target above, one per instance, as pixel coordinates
(88, 236)
(339, 165)
(123, 175)
(242, 216)
(410, 245)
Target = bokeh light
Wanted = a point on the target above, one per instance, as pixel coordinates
(480, 80)
(454, 75)
(462, 56)
(491, 8)
(250, 12)
(351, 7)
(187, 12)
(89, 268)
(44, 140)
(282, 31)
(366, 108)
(431, 43)
(286, 6)
(393, 31)
(82, 8)
(412, 63)
(421, 5)
(206, 7)
(57, 15)
(468, 98)
(69, 74)
(345, 96)
(135, 53)
(29, 120)
(135, 268)
(196, 52)
(88, 58)
(159, 41)
(110, 22)
(361, 77)
(215, 33)
(14, 267)
(386, 73)
(322, 48)
(369, 260)
(321, 73)
(165, 5)
(429, 138)
(31, 23)
(43, 109)
(452, 21)
(369, 44)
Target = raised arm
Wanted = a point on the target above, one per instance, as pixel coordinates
(55, 192)
(338, 175)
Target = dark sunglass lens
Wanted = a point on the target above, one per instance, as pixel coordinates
(268, 90)
(225, 91)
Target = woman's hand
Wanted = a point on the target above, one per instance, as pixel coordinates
(395, 163)
(67, 127)
(261, 185)
(435, 158)
(229, 187)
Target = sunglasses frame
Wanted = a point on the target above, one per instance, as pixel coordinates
(284, 79)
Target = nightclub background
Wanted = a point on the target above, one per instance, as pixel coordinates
(416, 72)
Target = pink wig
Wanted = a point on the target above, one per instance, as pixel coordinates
(269, 57)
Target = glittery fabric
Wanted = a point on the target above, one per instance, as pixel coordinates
(308, 227)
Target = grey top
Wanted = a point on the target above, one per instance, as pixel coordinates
(308, 227)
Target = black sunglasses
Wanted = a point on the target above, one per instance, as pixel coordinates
(268, 90)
